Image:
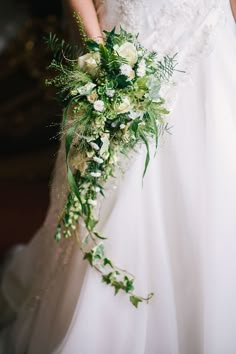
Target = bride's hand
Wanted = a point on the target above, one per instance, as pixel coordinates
(89, 17)
(233, 7)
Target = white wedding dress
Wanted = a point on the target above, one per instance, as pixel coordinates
(176, 233)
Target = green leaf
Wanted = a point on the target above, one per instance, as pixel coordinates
(99, 236)
(135, 300)
(106, 278)
(152, 116)
(89, 257)
(98, 251)
(117, 286)
(129, 284)
(147, 153)
(92, 45)
(107, 261)
(91, 223)
(134, 126)
(104, 52)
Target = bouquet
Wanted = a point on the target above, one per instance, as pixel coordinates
(112, 103)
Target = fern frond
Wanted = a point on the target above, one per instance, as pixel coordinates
(60, 49)
(166, 67)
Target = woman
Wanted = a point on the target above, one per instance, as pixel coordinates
(176, 233)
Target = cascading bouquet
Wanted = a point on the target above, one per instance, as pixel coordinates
(112, 103)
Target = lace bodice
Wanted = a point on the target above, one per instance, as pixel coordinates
(185, 27)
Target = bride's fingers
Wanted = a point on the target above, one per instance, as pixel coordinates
(233, 7)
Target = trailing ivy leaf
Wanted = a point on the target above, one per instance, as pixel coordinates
(135, 300)
(98, 251)
(129, 284)
(91, 223)
(107, 278)
(107, 261)
(89, 257)
(117, 286)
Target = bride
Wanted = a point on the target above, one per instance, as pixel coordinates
(176, 233)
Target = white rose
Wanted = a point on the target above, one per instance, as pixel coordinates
(124, 106)
(90, 63)
(129, 52)
(99, 106)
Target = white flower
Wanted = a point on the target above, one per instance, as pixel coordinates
(110, 93)
(124, 106)
(90, 63)
(98, 159)
(126, 70)
(122, 126)
(105, 144)
(90, 153)
(99, 106)
(86, 89)
(141, 70)
(94, 145)
(92, 202)
(113, 124)
(129, 52)
(97, 189)
(73, 92)
(133, 115)
(95, 174)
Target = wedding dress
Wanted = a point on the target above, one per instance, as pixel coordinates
(176, 233)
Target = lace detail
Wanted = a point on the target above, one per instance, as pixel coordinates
(186, 27)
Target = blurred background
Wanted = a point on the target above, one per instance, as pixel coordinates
(29, 117)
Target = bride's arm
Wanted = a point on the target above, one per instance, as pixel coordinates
(233, 7)
(88, 14)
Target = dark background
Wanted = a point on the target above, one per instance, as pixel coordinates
(29, 117)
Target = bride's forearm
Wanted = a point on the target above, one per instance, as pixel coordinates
(88, 14)
(233, 7)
